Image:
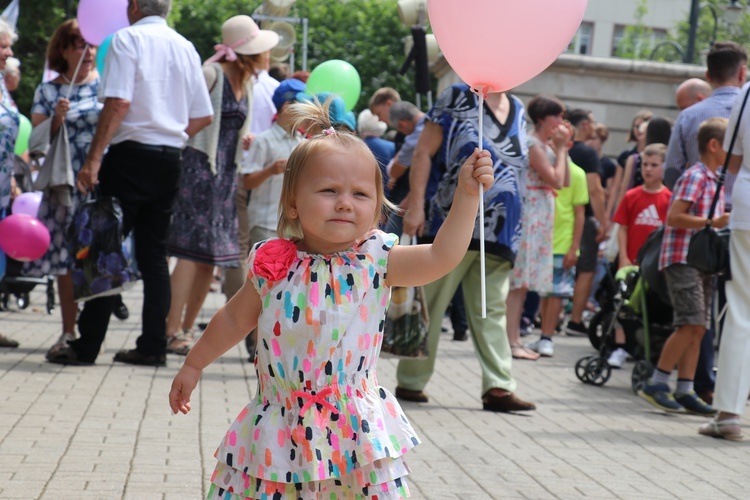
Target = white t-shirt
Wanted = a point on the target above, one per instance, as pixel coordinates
(271, 145)
(263, 108)
(159, 72)
(740, 216)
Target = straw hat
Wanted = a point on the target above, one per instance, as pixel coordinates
(245, 37)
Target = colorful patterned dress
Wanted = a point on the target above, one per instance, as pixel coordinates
(320, 426)
(80, 121)
(9, 122)
(533, 269)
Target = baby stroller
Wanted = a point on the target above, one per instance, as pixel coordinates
(625, 298)
(14, 283)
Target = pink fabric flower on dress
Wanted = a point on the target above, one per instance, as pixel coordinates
(272, 260)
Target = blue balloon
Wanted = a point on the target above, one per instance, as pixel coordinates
(101, 53)
(2, 264)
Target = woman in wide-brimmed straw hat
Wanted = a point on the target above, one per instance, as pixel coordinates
(204, 225)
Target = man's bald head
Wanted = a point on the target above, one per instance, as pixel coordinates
(691, 92)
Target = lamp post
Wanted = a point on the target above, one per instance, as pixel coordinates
(733, 9)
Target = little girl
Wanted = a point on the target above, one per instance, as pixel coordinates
(321, 426)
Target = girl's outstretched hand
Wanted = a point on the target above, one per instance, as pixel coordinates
(476, 170)
(182, 387)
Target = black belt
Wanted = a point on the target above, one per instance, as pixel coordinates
(151, 148)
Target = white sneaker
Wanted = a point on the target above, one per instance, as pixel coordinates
(617, 358)
(544, 347)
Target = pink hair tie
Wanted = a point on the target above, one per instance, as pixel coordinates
(329, 131)
(225, 51)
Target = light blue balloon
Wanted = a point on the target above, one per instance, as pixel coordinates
(101, 53)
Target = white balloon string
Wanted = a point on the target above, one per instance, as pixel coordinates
(75, 74)
(481, 211)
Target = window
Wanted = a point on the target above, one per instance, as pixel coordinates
(581, 43)
(643, 44)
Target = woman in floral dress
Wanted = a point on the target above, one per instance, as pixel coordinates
(74, 105)
(547, 171)
(204, 230)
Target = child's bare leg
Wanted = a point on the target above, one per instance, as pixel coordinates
(514, 310)
(551, 307)
(675, 347)
(689, 361)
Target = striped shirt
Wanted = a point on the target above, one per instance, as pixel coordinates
(683, 143)
(696, 186)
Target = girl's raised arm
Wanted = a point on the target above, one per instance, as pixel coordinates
(413, 265)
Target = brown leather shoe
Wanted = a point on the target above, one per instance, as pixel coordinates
(506, 403)
(413, 396)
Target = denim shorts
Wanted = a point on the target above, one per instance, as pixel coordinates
(563, 280)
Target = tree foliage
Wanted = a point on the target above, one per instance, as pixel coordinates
(366, 33)
(737, 31)
(36, 23)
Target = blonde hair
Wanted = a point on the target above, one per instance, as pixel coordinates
(655, 149)
(314, 118)
(713, 128)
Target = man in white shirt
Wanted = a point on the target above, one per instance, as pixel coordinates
(155, 98)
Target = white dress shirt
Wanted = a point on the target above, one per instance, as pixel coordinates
(159, 72)
(263, 107)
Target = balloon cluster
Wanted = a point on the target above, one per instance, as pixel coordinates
(22, 236)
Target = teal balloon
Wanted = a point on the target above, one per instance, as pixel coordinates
(3, 263)
(337, 77)
(101, 53)
(24, 132)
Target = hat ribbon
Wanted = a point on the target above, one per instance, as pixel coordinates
(226, 51)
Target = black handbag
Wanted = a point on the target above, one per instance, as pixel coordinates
(708, 250)
(648, 261)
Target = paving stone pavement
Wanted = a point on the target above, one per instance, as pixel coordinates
(106, 431)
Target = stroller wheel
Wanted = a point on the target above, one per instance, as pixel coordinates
(598, 371)
(581, 371)
(22, 300)
(641, 373)
(600, 326)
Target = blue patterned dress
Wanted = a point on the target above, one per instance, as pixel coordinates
(9, 122)
(204, 220)
(81, 123)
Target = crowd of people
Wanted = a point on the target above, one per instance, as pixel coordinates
(228, 161)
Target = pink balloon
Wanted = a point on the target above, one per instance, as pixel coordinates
(23, 237)
(27, 204)
(97, 19)
(499, 45)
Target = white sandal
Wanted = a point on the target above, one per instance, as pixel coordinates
(720, 429)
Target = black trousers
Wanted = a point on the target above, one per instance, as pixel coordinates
(145, 180)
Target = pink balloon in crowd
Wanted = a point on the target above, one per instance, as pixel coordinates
(499, 45)
(27, 204)
(97, 19)
(24, 238)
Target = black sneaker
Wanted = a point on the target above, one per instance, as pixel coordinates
(577, 329)
(121, 310)
(134, 357)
